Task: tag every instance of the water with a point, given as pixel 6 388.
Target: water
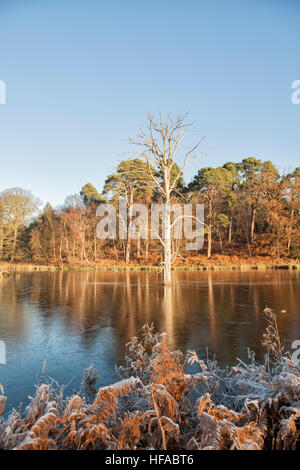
pixel 73 319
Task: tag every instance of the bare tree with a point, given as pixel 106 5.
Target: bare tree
pixel 159 143
pixel 17 208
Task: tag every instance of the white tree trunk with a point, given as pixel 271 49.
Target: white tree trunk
pixel 167 247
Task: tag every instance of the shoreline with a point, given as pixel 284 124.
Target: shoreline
pixel 150 268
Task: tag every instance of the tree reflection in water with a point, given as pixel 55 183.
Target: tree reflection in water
pixel 71 319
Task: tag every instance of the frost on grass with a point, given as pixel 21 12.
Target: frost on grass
pixel 157 405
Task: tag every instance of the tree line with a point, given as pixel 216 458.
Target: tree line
pixel 249 208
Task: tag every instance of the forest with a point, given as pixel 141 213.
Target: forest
pixel 250 210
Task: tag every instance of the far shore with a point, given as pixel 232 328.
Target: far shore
pixel 210 265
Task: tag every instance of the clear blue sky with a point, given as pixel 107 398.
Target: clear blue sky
pixel 81 75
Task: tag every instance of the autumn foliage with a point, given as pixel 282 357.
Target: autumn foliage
pixel 251 212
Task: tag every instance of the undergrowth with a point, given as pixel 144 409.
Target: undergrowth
pixel 158 405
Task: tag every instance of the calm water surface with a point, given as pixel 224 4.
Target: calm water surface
pixel 74 319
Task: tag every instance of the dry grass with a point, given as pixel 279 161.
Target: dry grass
pixel 22 267
pixel 232 261
pixel 157 405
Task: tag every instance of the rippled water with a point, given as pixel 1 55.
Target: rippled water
pixel 73 319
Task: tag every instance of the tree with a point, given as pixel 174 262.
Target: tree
pixel 291 192
pixel 75 213
pixel 180 186
pixel 211 182
pixel 90 195
pixel 131 180
pixel 231 199
pixel 42 235
pixel 259 182
pixel 49 217
pixel 251 170
pixel 159 144
pixel 92 198
pixel 1 227
pixel 17 208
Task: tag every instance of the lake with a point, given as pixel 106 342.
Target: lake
pixel 73 319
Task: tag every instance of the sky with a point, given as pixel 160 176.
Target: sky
pixel 81 76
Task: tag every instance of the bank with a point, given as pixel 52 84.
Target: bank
pixel 19 267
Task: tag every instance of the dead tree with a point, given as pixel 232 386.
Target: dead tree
pixel 159 143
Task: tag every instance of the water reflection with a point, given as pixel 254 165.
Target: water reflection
pixel 73 319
